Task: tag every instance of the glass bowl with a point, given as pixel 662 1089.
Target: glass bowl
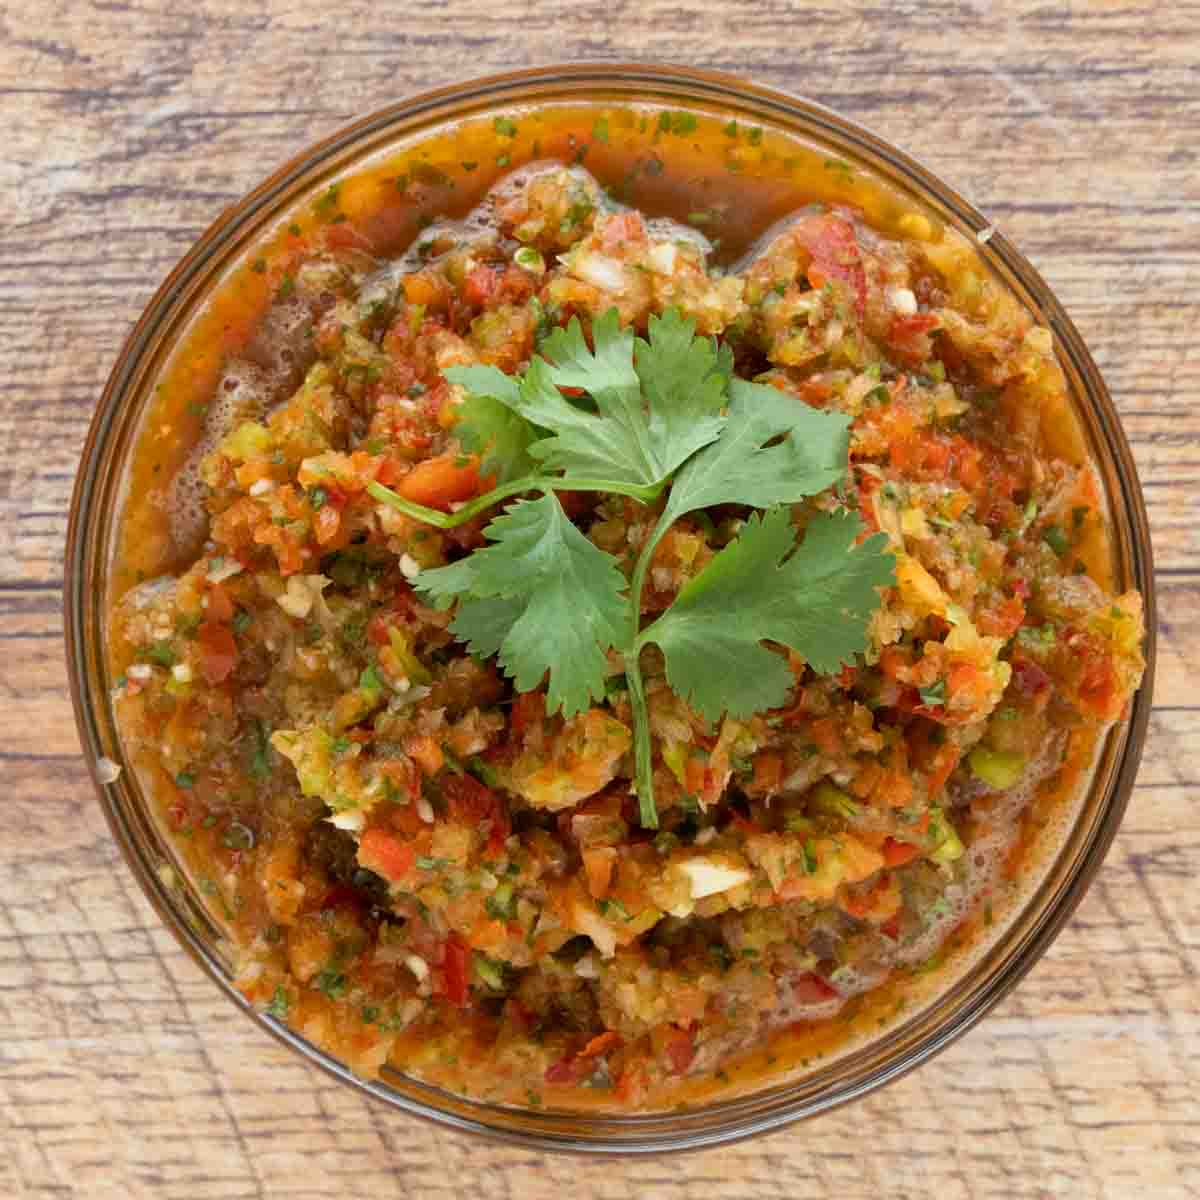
pixel 965 991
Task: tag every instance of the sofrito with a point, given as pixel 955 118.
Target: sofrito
pixel 599 659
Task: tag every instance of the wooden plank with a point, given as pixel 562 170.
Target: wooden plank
pixel 129 125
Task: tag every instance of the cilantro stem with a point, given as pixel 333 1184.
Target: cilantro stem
pixel 647 806
pixel 432 516
pixel 644 493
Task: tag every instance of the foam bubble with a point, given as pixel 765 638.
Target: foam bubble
pixel 241 395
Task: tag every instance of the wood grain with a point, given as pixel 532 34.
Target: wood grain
pixel 127 127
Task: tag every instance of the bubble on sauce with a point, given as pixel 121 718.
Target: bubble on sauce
pixel 984 860
pixel 241 395
pixel 271 369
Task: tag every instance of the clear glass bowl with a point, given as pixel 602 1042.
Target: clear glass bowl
pixel 962 997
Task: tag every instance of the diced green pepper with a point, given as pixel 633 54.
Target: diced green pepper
pixel 832 801
pixel 999 769
pixel 412 666
pixel 674 754
pixel 947 845
pixel 490 972
pixel 249 440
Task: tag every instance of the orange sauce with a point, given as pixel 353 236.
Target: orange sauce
pixel 733 182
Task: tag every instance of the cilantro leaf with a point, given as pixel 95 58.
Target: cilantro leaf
pixel 774 449
pixel 484 623
pixel 815 598
pixel 684 378
pixel 490 424
pixel 543 597
pixel 647 421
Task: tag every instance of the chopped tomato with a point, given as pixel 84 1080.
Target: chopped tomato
pixel 835 254
pixel 1004 619
pixel 904 328
pixel 598 863
pixel 1098 687
pixel 768 772
pixel 468 800
pixel 897 854
pixel 386 854
pixel 528 709
pixel 220 606
pixel 326 524
pixel 478 287
pixel 825 734
pixel 568 1069
pixel 680 1049
pixel 602 1043
pixel 422 288
pixel 622 228
pixel 440 482
pixel 218 652
pixel 427 753
pixel 1028 678
pixel 403 775
pixel 455 963
pixel 810 988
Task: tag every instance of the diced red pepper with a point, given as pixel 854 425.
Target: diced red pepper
pixel 455 964
pixel 1028 678
pixel 810 988
pixel 569 1069
pixel 386 854
pixel 467 800
pixel 479 286
pixel 440 482
pixel 528 709
pixel 218 652
pixel 220 606
pixel 622 228
pixel 1098 687
pixel 680 1049
pixel 602 1043
pixel 897 854
pixel 905 328
pixel 768 771
pixel 835 254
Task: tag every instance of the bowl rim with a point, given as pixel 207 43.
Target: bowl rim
pixel 768 1108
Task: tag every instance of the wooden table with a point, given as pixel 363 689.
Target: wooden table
pixel 126 128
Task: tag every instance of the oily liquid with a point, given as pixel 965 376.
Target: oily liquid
pixel 730 182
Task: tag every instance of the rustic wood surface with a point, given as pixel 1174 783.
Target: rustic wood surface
pixel 126 126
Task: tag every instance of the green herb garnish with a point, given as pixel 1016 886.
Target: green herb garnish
pixel 657 411
pixel 1056 538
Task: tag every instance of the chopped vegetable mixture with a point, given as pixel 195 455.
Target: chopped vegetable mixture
pixel 599 659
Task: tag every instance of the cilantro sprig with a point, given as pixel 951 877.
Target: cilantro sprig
pixel 633 416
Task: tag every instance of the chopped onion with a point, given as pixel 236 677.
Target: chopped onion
pixel 902 300
pixel 601 271
pixel 592 925
pixel 220 569
pixel 662 258
pixel 708 877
